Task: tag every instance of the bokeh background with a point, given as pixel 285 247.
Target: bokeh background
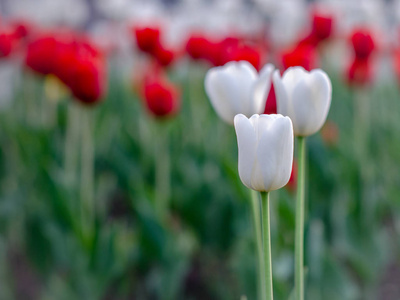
pixel 119 181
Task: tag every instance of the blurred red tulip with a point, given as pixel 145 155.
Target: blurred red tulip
pixel 87 81
pixel 397 64
pixel 65 57
pixel 147 38
pixel 247 53
pixel 161 97
pixel 363 43
pixel 321 29
pixel 218 52
pixel 7 43
pixel 73 59
pixel 40 54
pixel 359 72
pixel 310 40
pixel 270 105
pixel 302 55
pixel 21 29
pixel 69 52
pixel 197 46
pixel 322 26
pixel 163 56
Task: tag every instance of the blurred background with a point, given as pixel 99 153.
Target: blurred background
pixel 119 181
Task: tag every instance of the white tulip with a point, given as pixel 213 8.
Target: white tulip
pixel 305 97
pixel 265 151
pixel 236 88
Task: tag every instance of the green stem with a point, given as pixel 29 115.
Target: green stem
pixel 87 173
pixel 255 205
pixel 267 246
pixel 71 144
pixel 361 141
pixel 162 171
pixel 299 242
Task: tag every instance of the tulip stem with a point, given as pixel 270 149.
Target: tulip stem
pixel 87 173
pixel 71 144
pixel 267 245
pixel 163 180
pixel 299 242
pixel 255 205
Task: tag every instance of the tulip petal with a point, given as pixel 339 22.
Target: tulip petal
pixel 322 90
pixel 219 89
pixel 292 76
pixel 245 75
pixel 261 89
pixel 311 103
pixel 246 138
pixel 229 89
pixel 284 146
pixel 275 151
pixel 282 97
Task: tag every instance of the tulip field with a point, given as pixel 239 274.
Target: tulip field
pixel 206 150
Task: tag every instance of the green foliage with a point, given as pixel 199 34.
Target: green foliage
pixel 204 247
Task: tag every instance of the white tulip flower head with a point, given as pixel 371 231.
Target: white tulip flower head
pixel 303 96
pixel 237 88
pixel 265 151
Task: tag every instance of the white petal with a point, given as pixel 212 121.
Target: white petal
pixel 285 147
pixel 229 89
pixel 292 76
pixel 282 98
pixel 275 151
pixel 246 138
pixel 244 78
pixel 322 93
pixel 220 90
pixel 311 103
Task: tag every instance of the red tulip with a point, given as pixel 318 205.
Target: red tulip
pixel 322 26
pixel 163 56
pixel 7 43
pixel 161 97
pixel 303 55
pixel 363 43
pixel 359 72
pixel 397 64
pixel 220 52
pixel 40 54
pixel 270 105
pixel 216 52
pixel 310 40
pixel 65 57
pixel 197 46
pixel 73 59
pixel 147 38
pixel 21 29
pixel 247 53
pixel 87 81
pixel 321 29
pixel 81 66
pixel 69 52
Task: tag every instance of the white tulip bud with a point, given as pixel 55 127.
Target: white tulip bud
pixel 305 97
pixel 265 151
pixel 237 88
